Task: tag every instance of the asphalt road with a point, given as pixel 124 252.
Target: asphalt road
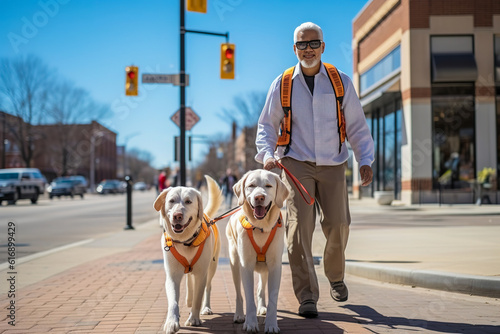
pixel 58 222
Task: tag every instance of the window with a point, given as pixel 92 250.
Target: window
pixel 453 112
pixel 382 70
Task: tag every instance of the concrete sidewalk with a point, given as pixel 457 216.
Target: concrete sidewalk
pixel 115 284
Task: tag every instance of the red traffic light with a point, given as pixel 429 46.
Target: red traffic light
pixel 131 74
pixel 229 53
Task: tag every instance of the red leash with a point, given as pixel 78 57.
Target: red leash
pixel 297 183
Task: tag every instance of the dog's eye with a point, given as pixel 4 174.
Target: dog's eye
pixel 188 201
pixel 251 186
pixel 172 200
pixel 268 186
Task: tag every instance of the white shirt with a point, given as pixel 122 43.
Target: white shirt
pixel 315 136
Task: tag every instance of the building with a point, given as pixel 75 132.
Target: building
pixel 61 149
pixel 428 76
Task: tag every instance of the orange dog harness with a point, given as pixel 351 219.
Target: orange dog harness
pixel 261 253
pixel 199 242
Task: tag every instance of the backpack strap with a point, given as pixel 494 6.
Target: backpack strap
pixel 285 132
pixel 338 87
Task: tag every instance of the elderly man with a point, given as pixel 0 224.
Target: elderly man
pixel 315 152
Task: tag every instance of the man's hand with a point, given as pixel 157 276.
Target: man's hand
pixel 270 164
pixel 366 175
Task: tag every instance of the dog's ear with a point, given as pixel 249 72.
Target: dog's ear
pixel 160 200
pixel 239 189
pixel 200 205
pixel 282 191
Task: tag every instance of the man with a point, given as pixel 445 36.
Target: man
pixel 227 182
pixel 317 157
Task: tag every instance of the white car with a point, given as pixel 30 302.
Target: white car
pixel 142 186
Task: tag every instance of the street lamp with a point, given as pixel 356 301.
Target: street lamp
pixel 95 135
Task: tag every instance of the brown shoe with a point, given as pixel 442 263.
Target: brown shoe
pixel 338 291
pixel 308 309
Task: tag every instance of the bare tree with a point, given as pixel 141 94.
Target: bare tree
pixel 68 107
pixel 24 89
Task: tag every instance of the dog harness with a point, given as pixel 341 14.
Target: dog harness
pixel 285 131
pixel 199 241
pixel 261 253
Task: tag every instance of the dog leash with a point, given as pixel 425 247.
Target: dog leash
pixel 224 215
pixel 297 183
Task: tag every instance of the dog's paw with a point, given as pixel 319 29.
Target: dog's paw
pixel 262 310
pixel 239 318
pixel 272 329
pixel 271 326
pixel 192 321
pixel 207 311
pixel 171 326
pixel 251 326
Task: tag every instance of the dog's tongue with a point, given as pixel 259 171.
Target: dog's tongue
pixel 259 212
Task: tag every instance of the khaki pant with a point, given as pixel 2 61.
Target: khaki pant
pixel 327 184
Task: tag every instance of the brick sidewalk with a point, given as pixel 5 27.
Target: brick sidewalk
pixel 125 293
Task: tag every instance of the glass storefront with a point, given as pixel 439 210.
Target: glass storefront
pixel 453 118
pixel 385 123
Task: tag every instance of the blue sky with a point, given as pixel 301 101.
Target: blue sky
pixel 91 42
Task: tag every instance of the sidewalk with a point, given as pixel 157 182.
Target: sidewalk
pixel 115 284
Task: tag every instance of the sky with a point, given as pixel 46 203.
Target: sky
pixel 90 42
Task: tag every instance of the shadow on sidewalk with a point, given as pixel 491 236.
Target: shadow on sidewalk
pixel 369 316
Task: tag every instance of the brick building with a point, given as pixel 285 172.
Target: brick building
pixel 428 76
pixel 62 149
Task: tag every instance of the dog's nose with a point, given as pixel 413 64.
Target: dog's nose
pixel 259 198
pixel 178 216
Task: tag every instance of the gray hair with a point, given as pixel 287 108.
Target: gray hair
pixel 307 26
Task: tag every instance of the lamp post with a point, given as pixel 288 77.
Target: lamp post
pixel 92 159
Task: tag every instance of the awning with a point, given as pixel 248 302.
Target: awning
pixel 388 88
pixel 453 67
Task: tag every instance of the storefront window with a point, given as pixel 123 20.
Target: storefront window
pixel 453 135
pixel 498 137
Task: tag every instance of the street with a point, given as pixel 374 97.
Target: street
pixel 58 222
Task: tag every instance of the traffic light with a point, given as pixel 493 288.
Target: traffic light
pixel 199 6
pixel 227 61
pixel 131 80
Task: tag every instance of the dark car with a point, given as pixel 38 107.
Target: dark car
pixel 66 186
pixel 111 187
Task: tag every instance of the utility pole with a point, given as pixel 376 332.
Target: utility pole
pixel 182 139
pixel 183 96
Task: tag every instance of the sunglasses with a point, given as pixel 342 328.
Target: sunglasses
pixel 313 44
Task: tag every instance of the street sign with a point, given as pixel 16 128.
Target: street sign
pixel 174 79
pixel 191 118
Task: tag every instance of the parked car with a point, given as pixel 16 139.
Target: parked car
pixel 81 179
pixel 21 183
pixel 111 187
pixel 66 186
pixel 142 186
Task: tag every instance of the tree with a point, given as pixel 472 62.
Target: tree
pixel 69 106
pixel 24 90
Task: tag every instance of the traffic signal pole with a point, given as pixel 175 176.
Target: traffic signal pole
pixel 182 136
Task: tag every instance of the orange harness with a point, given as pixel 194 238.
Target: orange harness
pixel 261 253
pixel 199 242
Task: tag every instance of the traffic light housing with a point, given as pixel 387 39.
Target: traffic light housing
pixel 131 80
pixel 227 61
pixel 199 6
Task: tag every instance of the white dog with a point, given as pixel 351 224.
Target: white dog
pixel 261 195
pixel 189 246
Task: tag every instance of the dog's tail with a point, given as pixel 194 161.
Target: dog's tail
pixel 215 197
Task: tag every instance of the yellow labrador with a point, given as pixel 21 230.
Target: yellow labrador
pixel 261 195
pixel 189 246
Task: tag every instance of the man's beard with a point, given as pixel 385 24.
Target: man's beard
pixel 309 63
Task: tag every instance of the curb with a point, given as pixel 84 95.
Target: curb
pixel 467 284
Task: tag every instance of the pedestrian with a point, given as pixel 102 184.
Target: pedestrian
pixel 163 181
pixel 227 182
pixel 317 156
